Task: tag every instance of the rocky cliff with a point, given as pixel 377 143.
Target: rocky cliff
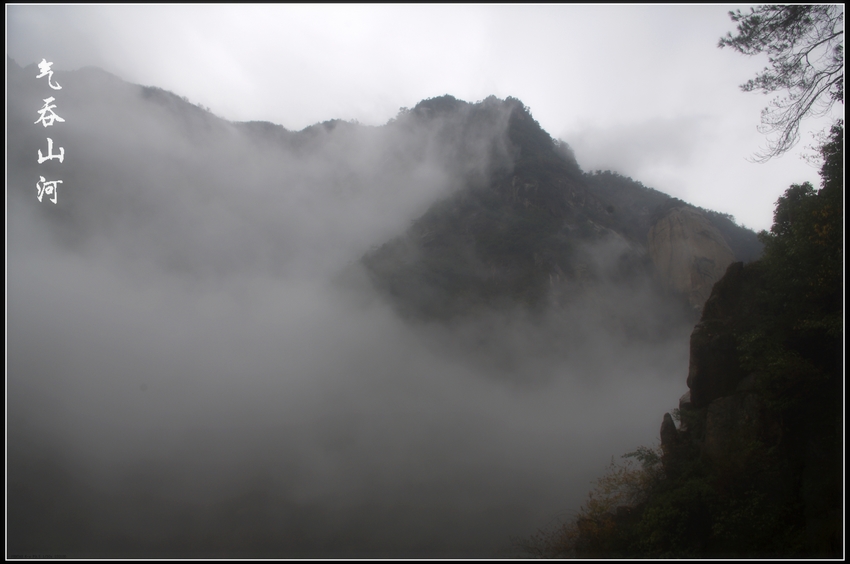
pixel 754 468
pixel 765 438
pixel 689 253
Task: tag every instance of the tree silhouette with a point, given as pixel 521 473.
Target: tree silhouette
pixel 805 46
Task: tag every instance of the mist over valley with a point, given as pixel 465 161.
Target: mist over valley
pixel 421 339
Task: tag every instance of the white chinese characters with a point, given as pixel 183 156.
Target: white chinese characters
pixel 47 118
pixel 50 155
pixel 44 67
pixel 45 187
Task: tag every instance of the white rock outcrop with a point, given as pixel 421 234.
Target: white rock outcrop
pixel 689 253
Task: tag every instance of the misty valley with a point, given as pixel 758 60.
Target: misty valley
pixel 424 339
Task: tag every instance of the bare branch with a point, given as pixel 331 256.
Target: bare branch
pixel 805 44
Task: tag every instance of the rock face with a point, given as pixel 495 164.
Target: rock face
pixel 736 428
pixel 689 253
pixel 715 368
pixel 716 378
pixel 670 444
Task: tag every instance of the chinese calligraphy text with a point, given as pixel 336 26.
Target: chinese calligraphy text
pixel 47 117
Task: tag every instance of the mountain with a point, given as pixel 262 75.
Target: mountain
pixel 201 355
pixel 515 221
pixel 536 230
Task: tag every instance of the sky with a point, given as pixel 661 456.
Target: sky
pixel 195 363
pixel 641 90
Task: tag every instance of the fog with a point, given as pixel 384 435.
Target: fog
pixel 197 365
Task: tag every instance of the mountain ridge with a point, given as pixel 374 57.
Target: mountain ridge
pixel 526 221
pixel 509 221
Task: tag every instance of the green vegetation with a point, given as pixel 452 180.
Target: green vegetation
pixel 755 472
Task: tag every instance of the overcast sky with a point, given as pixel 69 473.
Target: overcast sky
pixel 642 90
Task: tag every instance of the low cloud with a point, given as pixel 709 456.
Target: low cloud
pixel 636 149
pixel 187 374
